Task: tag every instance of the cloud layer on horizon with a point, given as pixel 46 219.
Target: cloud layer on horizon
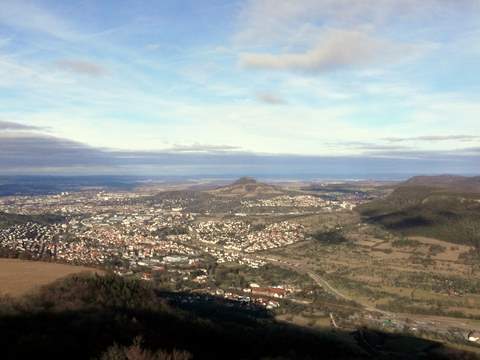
pixel 10 125
pixel 465 138
pixel 30 151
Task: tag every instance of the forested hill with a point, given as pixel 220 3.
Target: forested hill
pixel 460 184
pixel 443 209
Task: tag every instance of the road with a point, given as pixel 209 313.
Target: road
pixel 429 322
pixel 325 285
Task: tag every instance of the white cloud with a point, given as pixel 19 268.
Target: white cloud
pixel 462 138
pixel 321 35
pixel 270 98
pixel 266 21
pixel 153 47
pixel 335 49
pixel 82 67
pixel 202 148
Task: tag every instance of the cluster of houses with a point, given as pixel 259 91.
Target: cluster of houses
pixel 304 202
pixel 274 236
pixel 223 255
pixel 227 233
pixel 33 238
pixel 254 294
pixel 238 235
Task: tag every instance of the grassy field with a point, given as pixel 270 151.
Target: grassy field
pixel 18 277
pixel 379 268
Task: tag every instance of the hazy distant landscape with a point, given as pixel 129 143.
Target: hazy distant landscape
pixel 337 259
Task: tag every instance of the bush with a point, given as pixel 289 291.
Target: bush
pixel 137 352
pixel 331 237
pixel 87 291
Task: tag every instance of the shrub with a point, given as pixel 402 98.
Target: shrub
pixel 137 352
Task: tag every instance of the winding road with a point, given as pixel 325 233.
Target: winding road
pixel 433 323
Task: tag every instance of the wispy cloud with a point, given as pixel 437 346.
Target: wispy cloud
pixel 287 22
pixel 434 138
pixel 270 98
pixel 336 49
pixel 368 146
pixel 196 148
pixel 82 67
pixel 153 46
pixel 9 125
pixel 26 15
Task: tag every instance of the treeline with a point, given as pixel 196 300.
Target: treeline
pixel 7 253
pixel 330 237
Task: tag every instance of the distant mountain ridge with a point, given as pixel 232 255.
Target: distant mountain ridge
pixel 450 182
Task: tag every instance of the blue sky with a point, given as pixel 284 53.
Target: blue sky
pixel 388 79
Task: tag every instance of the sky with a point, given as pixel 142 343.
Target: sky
pixel 216 87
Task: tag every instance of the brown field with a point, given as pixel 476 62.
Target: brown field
pixel 18 277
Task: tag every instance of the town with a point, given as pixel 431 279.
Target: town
pixel 137 235
pixel 248 243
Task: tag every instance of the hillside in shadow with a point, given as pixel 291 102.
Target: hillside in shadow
pixel 108 317
pixel 428 211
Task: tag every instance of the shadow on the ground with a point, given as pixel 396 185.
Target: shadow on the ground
pixel 82 316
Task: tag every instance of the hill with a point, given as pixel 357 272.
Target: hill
pixel 247 187
pixel 450 182
pixel 444 207
pixel 99 317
